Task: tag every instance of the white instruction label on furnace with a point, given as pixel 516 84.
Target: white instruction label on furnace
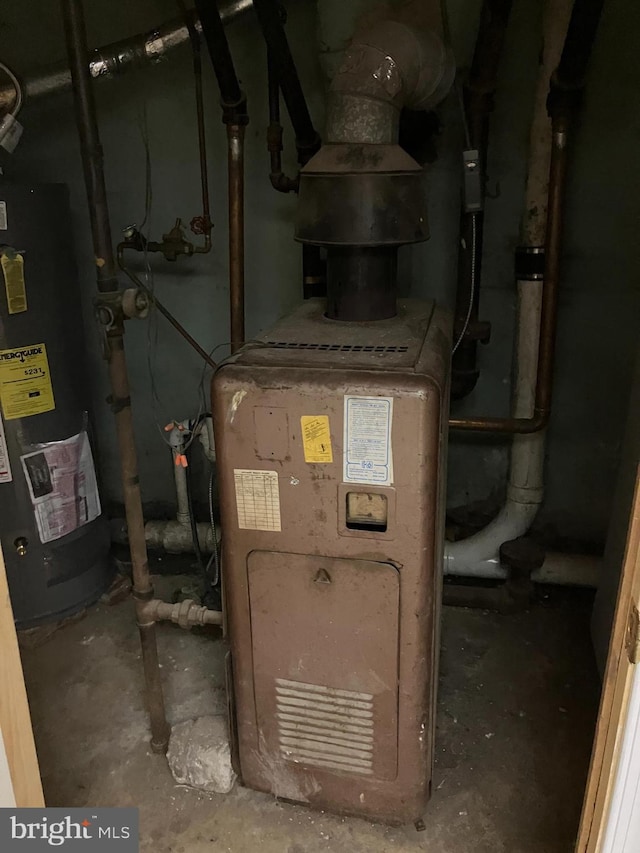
pixel 3 216
pixel 62 484
pixel 5 464
pixel 257 499
pixel 367 440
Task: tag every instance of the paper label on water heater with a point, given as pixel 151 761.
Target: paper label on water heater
pixel 257 499
pixel 316 438
pixel 367 440
pixel 13 273
pixel 25 382
pixel 62 484
pixel 5 464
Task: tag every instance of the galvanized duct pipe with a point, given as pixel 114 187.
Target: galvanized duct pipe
pixel 361 195
pixel 114 59
pixel 388 67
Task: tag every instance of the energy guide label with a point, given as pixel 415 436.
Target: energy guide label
pixel 25 382
pixel 367 440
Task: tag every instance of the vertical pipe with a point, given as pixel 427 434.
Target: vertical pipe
pixel 553 257
pixel 90 147
pixel 527 451
pixel 183 511
pixel 234 115
pixel 213 31
pixel 478 555
pixel 76 37
pixel 479 91
pixel 206 224
pixel 235 138
pixel 307 139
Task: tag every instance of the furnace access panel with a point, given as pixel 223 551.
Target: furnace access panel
pixel 330 439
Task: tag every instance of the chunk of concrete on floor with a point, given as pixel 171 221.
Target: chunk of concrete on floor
pixel 199 755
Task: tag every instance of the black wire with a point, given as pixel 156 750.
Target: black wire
pixel 192 518
pixel 215 556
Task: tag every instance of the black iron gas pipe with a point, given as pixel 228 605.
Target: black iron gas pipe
pixel 479 91
pixel 307 139
pixel 76 37
pixel 235 117
pixel 231 94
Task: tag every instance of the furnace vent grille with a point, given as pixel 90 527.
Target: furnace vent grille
pixel 335 347
pixel 325 727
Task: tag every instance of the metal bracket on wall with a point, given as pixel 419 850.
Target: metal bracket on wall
pixel 632 642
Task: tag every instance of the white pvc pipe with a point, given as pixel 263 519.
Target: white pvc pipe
pixel 478 556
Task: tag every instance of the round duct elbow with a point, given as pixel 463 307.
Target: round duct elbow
pixel 387 67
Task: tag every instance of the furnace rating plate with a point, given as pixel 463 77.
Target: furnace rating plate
pixel 367 440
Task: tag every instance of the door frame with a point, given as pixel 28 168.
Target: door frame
pixel 18 749
pixel 616 692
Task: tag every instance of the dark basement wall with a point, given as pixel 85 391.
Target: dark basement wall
pixel 600 297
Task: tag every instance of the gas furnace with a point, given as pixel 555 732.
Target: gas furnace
pixel 330 442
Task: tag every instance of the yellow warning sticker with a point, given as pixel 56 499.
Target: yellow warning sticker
pixel 316 438
pixel 25 382
pixel 13 272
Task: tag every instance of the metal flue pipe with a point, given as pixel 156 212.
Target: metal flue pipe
pixel 76 37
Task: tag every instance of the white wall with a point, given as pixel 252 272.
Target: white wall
pixel 622 833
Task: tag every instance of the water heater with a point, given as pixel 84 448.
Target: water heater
pixel 331 439
pixel 55 537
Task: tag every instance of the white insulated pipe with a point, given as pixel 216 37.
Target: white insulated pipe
pixel 478 555
pixel 167 535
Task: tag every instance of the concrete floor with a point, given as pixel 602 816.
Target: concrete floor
pixel 518 700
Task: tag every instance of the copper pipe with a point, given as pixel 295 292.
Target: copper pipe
pixel 549 314
pixel 76 38
pixel 162 309
pixel 235 139
pixel 200 224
